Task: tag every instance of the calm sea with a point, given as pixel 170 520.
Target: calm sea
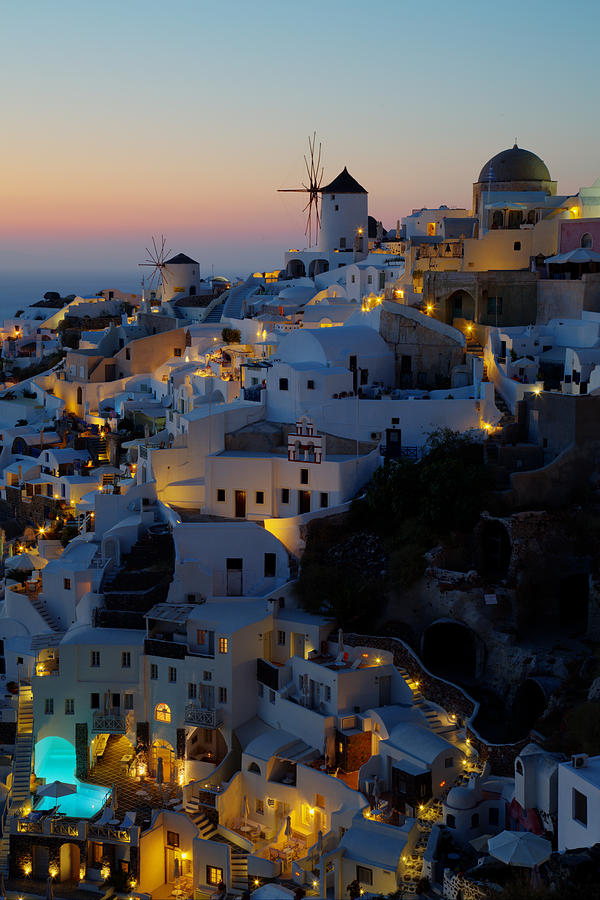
pixel 19 289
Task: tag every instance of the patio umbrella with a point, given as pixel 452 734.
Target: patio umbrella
pixel 520 848
pixel 49 890
pixel 246 809
pixel 288 827
pixel 159 771
pixel 57 789
pixel 340 641
pixel 176 871
pixel 376 790
pixel 25 562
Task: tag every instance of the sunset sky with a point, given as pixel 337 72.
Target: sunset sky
pixel 124 119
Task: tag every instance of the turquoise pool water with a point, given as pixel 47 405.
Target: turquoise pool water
pixel 55 761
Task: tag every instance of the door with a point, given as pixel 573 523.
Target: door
pixel 235 572
pixel 240 504
pixel 298 645
pixel 385 690
pixel 303 502
pixel 41 859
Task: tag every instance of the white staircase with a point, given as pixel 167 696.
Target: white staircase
pixel 239 870
pixel 21 768
pixel 41 608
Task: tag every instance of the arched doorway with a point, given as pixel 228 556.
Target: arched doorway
pixel 162 750
pixel 295 268
pixel 317 266
pixel 449 649
pixel 70 858
pixel 460 305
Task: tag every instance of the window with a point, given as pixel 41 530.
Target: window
pixel 259 807
pixel 223 645
pixel 281 638
pixel 364 875
pixel 127 353
pixel 364 376
pixel 353 279
pixel 449 762
pixel 116 701
pixel 431 229
pixel 207 676
pixel 336 207
pixel 342 243
pixel 283 384
pixel 320 801
pixel 517 245
pixel 327 693
pixel 162 712
pixel 494 306
pixel 128 701
pixel 493 815
pixel 303 476
pixel 190 598
pixel 126 659
pixel 94 701
pixel 580 807
pixel 214 875
pixel 153 671
pixel 324 500
pixel 450 820
pixel 270 565
pixel 519 767
pixel 222 695
pixel 310 385
pixel 172 674
pixel 69 707
pixel 192 692
pixel 173 838
pixel 201 637
pixel 79 396
pixel 254 767
pixel 587 241
pixel 177 351
pixel 97 853
pixel 67 584
pixel 260 497
pixel 475 820
pixel 285 495
pixel 95 659
pixel 220 495
pixel 49 706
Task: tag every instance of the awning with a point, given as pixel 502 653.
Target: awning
pixel 578 256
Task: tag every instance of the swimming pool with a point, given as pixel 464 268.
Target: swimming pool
pixel 55 761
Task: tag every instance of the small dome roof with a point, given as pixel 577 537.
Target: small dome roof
pixel 461 798
pixel 515 164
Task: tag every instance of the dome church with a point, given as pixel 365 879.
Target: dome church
pixel 513 170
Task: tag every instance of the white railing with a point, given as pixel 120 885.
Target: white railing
pixel 205 718
pixel 108 723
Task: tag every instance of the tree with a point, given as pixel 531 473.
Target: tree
pixel 51 295
pixel 231 335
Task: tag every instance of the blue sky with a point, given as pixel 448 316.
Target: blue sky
pixel 127 119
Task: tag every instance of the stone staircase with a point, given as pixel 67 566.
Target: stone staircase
pixel 208 832
pixel 21 768
pixel 507 417
pixel 41 608
pixel 429 710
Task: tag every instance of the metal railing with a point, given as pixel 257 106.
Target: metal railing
pixel 108 723
pixel 205 718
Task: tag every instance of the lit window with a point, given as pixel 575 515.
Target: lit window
pixel 126 659
pixel 223 645
pixel 201 637
pixel 162 712
pixel 214 875
pixel 431 229
pixel 69 707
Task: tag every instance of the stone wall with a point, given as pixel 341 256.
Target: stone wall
pixel 518 290
pixel 459 887
pixel 432 353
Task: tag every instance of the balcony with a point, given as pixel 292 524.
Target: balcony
pixel 204 718
pixel 109 723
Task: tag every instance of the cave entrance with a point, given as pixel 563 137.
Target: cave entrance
pixel 573 600
pixel 528 705
pixel 495 549
pixel 450 650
